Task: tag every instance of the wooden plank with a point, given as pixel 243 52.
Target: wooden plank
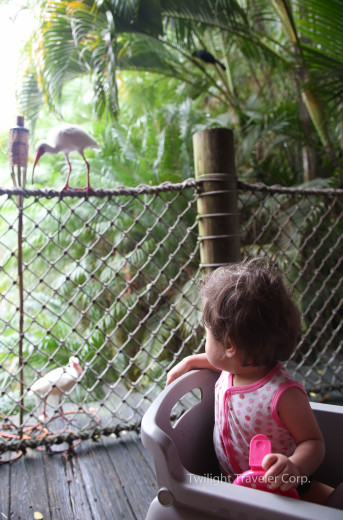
pixel 137 477
pixel 78 495
pixel 67 496
pixel 28 488
pixel 109 480
pixel 146 454
pixel 105 494
pixel 5 470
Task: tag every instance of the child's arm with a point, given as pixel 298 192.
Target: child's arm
pixel 295 413
pixel 189 363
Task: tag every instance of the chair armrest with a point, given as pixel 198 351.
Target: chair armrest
pixel 176 448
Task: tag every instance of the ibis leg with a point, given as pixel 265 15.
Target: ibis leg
pixel 44 408
pixel 66 186
pixel 87 187
pixel 61 409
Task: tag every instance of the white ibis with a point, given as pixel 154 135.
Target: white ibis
pixel 66 138
pixel 58 381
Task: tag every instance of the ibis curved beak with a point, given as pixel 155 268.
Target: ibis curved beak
pixel 38 156
pixel 78 367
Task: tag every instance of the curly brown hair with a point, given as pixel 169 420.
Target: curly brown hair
pixel 248 304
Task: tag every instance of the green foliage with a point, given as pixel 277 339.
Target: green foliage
pixel 125 72
pixel 279 91
pixel 322 46
pixel 302 233
pixel 104 280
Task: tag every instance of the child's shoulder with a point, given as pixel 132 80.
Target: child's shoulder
pixel 283 373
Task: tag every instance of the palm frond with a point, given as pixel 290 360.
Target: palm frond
pixel 321 35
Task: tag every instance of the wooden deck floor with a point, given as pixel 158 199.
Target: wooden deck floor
pixel 111 479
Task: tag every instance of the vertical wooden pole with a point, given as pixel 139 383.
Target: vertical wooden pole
pixel 21 311
pixel 218 216
pixel 18 156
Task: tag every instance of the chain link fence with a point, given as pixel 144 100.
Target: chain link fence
pixel 302 231
pixel 110 279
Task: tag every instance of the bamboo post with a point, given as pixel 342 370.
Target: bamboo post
pixel 18 146
pixel 217 198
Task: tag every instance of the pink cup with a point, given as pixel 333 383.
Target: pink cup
pixel 260 446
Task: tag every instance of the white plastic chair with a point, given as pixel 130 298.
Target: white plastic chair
pixel 183 453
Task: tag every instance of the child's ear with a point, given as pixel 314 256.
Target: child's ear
pixel 230 350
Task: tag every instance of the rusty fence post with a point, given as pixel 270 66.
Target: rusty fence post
pixel 217 205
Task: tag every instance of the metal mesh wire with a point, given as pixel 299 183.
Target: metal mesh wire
pixel 111 279
pixel 302 231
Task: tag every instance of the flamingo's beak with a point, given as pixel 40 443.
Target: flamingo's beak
pixel 38 156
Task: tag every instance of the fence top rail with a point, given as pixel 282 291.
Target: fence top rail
pixel 113 192
pixel 164 187
pixel 260 186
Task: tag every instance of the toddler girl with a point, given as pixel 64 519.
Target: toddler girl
pixel 252 324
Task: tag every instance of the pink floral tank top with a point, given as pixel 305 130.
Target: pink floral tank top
pixel 241 412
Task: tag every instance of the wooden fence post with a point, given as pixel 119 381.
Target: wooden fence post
pixel 218 215
pixel 18 148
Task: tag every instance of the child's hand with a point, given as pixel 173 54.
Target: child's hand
pixel 177 371
pixel 281 472
pixel 191 362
